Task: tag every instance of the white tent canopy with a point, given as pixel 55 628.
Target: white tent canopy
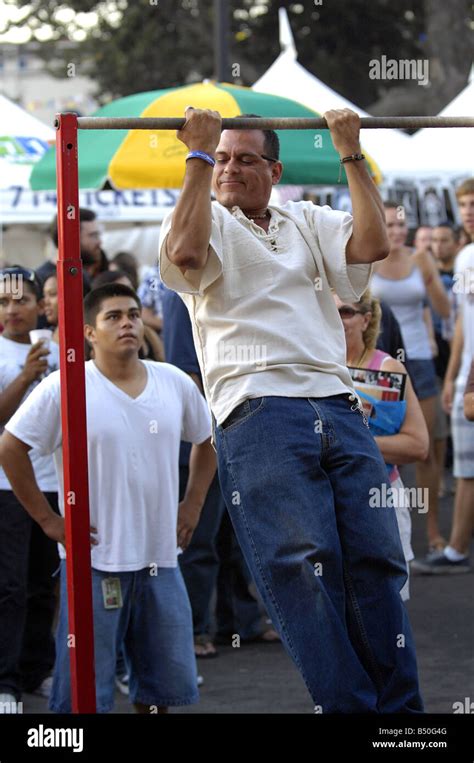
pixel 286 77
pixel 23 140
pixel 17 121
pixel 448 150
pixel 420 170
pixel 24 213
pixel 431 153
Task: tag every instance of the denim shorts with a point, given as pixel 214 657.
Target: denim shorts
pixel 462 432
pixel 423 377
pixel 154 626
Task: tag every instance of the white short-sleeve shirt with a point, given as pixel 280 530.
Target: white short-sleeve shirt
pixel 12 360
pixel 263 315
pixel 464 288
pixel 133 454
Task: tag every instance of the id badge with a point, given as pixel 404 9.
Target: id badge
pixel 112 593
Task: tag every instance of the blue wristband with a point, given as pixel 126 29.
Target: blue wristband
pixel 201 155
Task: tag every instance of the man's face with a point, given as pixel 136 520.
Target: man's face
pixel 423 238
pixel 397 230
pixel 90 242
pixel 50 292
pixel 18 312
pixel 443 244
pixel 241 177
pixel 466 210
pixel 118 328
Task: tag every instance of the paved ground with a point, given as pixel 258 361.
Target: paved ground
pixel 262 679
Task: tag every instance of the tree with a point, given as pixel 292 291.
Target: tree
pixel 446 44
pixel 139 45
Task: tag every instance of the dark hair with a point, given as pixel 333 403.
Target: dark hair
pixel 86 283
pixel 450 227
pixel 95 298
pixel 391 205
pixel 272 141
pixel 85 216
pixel 28 276
pixel 127 263
pixel 460 231
pixel 104 262
pixel 108 276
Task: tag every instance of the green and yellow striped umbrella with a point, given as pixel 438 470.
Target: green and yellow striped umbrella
pixel 156 159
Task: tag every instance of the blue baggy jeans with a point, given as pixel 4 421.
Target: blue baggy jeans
pixel 298 476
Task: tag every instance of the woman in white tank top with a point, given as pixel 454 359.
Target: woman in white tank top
pixel 405 280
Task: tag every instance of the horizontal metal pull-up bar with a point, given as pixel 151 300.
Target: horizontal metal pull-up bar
pixel 267 123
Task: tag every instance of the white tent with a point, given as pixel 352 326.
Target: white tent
pixel 448 151
pixel 286 77
pixel 420 171
pixel 23 141
pixel 24 213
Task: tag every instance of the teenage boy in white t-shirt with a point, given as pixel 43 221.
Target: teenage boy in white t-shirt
pixel 28 558
pixel 137 413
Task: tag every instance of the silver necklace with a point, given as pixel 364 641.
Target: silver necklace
pixel 256 217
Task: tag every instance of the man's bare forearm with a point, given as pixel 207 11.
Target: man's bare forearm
pixel 16 463
pixel 456 351
pixel 202 468
pixel 369 241
pixel 187 243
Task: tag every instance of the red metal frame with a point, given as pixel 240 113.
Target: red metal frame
pixel 73 417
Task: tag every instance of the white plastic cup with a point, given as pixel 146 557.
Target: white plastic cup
pixel 44 335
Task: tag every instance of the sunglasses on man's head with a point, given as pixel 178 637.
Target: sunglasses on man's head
pixel 346 311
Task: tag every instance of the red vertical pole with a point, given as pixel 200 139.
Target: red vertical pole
pixel 73 418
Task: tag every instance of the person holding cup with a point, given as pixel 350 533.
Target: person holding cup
pixel 28 558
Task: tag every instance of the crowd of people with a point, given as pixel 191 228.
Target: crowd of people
pixel 213 561
pixel 174 574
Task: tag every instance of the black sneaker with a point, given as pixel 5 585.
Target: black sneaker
pixel 438 563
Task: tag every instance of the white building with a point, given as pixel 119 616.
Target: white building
pixel 24 79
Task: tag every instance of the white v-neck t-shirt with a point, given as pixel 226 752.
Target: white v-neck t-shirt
pixel 263 315
pixel 133 453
